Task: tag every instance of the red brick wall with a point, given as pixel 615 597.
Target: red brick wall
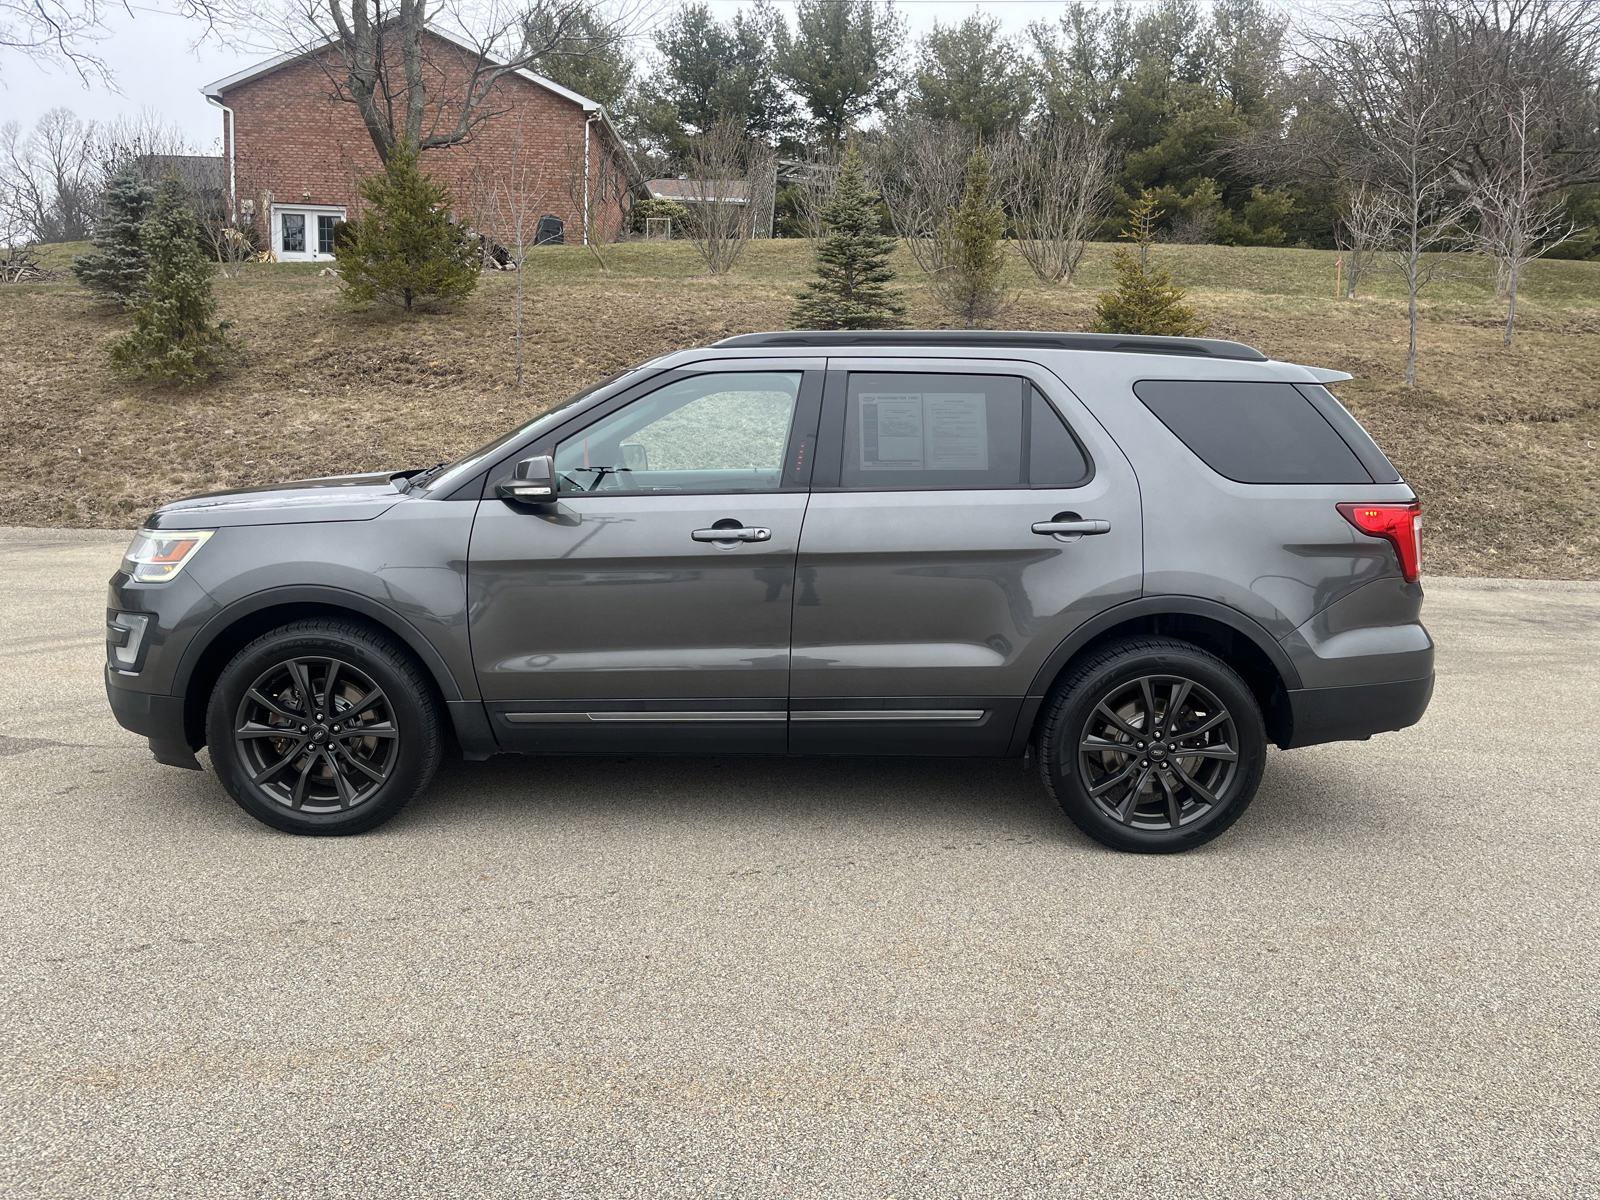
pixel 298 144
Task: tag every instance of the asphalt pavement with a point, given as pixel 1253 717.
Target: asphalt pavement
pixel 713 977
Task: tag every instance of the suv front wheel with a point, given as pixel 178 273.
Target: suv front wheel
pixel 323 726
pixel 1152 745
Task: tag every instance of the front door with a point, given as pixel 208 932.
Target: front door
pixel 964 519
pixel 648 608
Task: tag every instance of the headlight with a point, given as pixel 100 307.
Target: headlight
pixel 156 555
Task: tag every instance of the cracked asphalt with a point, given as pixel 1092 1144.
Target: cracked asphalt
pixel 874 978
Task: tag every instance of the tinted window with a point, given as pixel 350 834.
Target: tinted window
pixel 922 431
pixel 1054 457
pixel 1253 432
pixel 708 433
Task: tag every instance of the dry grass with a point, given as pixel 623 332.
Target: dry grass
pixel 1501 444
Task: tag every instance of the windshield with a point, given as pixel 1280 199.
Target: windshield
pixel 459 471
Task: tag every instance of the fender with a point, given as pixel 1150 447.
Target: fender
pixel 335 598
pixel 1145 606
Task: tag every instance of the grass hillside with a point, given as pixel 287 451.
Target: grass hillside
pixel 1504 446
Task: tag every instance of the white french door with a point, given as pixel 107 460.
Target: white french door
pixel 304 232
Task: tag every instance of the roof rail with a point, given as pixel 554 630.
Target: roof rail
pixel 1117 343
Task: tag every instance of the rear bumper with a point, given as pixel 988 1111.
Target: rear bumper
pixel 1343 714
pixel 158 718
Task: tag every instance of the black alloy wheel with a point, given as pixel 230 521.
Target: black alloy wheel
pixel 1159 751
pixel 324 726
pixel 316 734
pixel 1152 744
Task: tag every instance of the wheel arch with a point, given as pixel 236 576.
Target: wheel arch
pixel 1228 633
pixel 229 630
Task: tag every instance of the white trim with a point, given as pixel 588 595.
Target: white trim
pixel 311 211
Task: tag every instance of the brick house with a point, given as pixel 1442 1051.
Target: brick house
pixel 295 154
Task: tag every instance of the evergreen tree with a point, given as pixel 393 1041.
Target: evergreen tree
pixel 842 61
pixel 406 250
pixel 970 75
pixel 968 282
pixel 588 51
pixel 115 269
pixel 1145 300
pixel 853 271
pixel 175 335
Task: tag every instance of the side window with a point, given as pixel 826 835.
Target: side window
pixel 710 433
pixel 1054 457
pixel 932 431
pixel 905 431
pixel 1253 432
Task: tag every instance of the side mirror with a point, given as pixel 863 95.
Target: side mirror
pixel 532 482
pixel 635 457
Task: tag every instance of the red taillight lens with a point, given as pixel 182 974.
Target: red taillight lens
pixel 1399 524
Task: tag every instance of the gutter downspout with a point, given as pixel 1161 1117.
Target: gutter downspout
pixel 233 150
pixel 587 122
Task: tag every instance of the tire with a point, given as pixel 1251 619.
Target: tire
pixel 341 769
pixel 1119 696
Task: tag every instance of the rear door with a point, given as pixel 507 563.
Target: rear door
pixel 648 608
pixel 965 518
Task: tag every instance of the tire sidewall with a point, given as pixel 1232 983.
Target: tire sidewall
pixel 1078 705
pixel 411 718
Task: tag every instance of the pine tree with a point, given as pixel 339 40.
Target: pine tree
pixel 115 269
pixel 853 271
pixel 968 283
pixel 406 250
pixel 1145 300
pixel 175 335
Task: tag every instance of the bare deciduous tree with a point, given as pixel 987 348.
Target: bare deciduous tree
pixel 597 190
pixel 918 167
pixel 727 173
pixel 1055 181
pixel 51 178
pixel 1519 218
pixel 65 33
pixel 416 92
pixel 1365 227
pixel 814 187
pixel 1381 79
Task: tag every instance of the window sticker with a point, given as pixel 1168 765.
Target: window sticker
pixel 913 431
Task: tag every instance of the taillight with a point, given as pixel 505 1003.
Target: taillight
pixel 1399 524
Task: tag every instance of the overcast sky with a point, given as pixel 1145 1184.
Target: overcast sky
pixel 158 67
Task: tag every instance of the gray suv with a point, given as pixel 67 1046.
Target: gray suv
pixel 1139 559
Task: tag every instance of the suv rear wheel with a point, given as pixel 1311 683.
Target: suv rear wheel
pixel 323 727
pixel 1152 745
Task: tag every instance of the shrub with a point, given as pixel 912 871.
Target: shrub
pixel 115 269
pixel 853 271
pixel 405 250
pixel 644 210
pixel 175 336
pixel 1145 300
pixel 968 282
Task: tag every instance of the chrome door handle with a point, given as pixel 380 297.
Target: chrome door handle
pixel 733 533
pixel 1071 526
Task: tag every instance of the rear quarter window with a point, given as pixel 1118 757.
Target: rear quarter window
pixel 1253 432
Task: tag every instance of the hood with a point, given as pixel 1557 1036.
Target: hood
pixel 337 498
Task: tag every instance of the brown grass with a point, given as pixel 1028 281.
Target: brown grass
pixel 1501 444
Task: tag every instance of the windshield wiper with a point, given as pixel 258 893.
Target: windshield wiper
pixel 418 478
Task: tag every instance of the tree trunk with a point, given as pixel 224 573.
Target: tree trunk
pixel 1354 275
pixel 1411 313
pixel 1511 300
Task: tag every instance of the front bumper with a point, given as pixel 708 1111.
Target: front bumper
pixel 1355 713
pixel 158 718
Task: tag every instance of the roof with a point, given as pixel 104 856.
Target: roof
pixel 202 171
pixel 213 91
pixel 266 67
pixel 700 191
pixel 994 338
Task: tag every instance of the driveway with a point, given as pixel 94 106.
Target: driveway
pixel 714 977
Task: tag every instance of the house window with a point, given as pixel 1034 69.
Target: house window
pixel 294 232
pixel 325 226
